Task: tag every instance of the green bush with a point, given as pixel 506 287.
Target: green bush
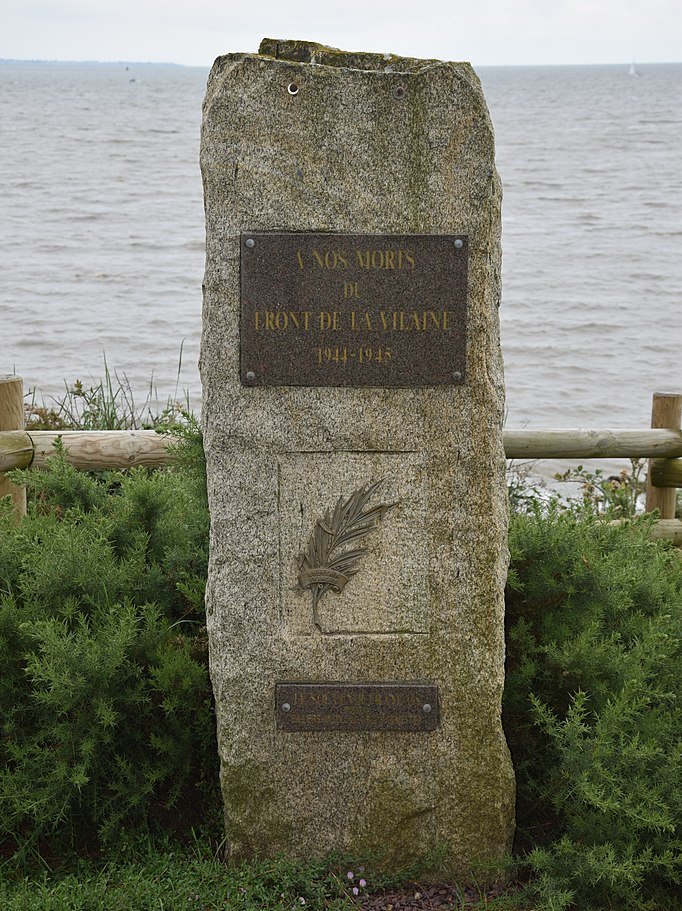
pixel 105 702
pixel 592 710
pixel 106 712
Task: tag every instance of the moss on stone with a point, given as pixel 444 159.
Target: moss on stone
pixel 396 819
pixel 312 52
pixel 254 822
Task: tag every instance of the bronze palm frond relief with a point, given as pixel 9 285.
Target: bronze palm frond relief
pixel 326 564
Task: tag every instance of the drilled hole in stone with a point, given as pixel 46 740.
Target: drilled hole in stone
pixel 399 91
pixel 293 88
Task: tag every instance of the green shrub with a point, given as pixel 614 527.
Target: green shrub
pixel 592 710
pixel 105 701
pixel 105 704
pixel 615 496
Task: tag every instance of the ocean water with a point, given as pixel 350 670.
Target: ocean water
pixel 101 235
pixel 592 241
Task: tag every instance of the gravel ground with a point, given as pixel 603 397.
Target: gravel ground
pixel 432 898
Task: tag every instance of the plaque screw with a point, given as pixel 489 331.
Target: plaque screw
pixel 459 244
pixel 426 708
pixel 286 707
pixel 399 91
pixel 292 88
pixel 250 376
pixel 457 376
pixel 250 242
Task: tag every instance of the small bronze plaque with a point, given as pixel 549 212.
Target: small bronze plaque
pixel 353 309
pixel 356 706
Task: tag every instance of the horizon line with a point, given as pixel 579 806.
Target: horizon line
pixel 119 62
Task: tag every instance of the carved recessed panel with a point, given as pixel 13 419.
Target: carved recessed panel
pixel 388 592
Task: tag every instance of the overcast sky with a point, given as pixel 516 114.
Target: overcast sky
pixel 484 32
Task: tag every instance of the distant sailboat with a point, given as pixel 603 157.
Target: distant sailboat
pixel 633 71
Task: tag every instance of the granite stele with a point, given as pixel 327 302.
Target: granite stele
pixel 353 405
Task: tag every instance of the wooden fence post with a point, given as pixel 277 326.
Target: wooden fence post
pixel 12 418
pixel 666 412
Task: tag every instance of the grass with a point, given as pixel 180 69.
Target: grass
pixel 146 877
pixel 108 404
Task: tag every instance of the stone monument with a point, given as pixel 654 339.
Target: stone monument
pixel 352 411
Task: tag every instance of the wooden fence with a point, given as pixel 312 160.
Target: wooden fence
pixel 97 449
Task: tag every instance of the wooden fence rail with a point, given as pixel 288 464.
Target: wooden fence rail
pixel 107 449
pixel 666 411
pixel 86 449
pixel 11 418
pixel 93 449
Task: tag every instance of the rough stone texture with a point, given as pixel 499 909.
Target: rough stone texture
pixel 346 155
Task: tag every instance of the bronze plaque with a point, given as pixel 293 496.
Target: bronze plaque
pixel 356 706
pixel 353 309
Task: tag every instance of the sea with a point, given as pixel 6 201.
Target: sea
pixel 102 233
